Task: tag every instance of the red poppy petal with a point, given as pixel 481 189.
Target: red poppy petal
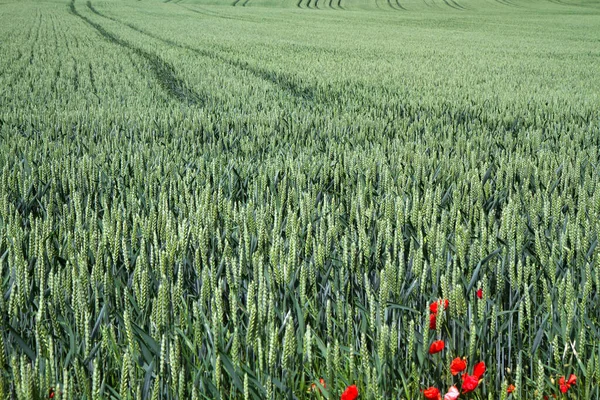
pixel 479 369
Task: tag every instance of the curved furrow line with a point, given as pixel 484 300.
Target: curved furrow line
pixel 508 3
pixel 395 5
pixel 215 15
pixel 75 79
pixel 457 5
pixel 451 5
pixel 163 72
pixel 400 5
pixel 93 81
pixel 564 3
pixel 282 81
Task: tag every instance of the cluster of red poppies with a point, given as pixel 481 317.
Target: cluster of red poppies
pixel 565 385
pixel 469 382
pixel 433 308
pixel 458 365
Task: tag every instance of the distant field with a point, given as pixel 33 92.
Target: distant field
pixel 235 199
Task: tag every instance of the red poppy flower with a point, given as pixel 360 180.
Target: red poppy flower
pixel 480 293
pixel 51 394
pixel 566 385
pixel 458 365
pixel 351 393
pixel 314 387
pixel 432 394
pixel 436 347
pixel 479 369
pixel 564 388
pixel 510 389
pixel 470 383
pixel 433 307
pixel 432 322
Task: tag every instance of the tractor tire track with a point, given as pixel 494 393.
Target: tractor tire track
pixel 397 5
pixel 93 82
pixel 564 3
pixel 508 3
pixel 215 15
pixel 451 5
pixel 400 5
pixel 458 5
pixel 163 72
pixel 75 79
pixel 282 81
